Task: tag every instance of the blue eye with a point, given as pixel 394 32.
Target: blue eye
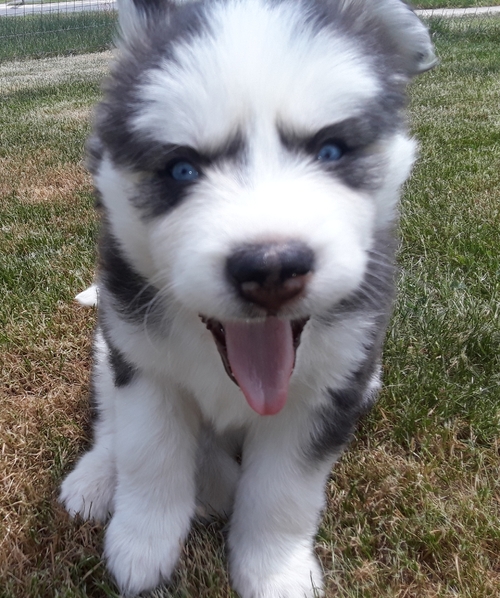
pixel 184 172
pixel 330 152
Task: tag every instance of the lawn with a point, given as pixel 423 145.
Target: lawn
pixel 453 3
pixel 34 36
pixel 414 505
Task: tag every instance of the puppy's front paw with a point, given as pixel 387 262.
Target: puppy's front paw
pixel 89 489
pixel 300 578
pixel 139 556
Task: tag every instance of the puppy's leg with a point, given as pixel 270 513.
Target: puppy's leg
pixel 89 489
pixel 155 451
pixel 277 509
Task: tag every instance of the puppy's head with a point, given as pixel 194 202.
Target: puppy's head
pixel 250 153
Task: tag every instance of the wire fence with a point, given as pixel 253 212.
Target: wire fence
pixel 36 28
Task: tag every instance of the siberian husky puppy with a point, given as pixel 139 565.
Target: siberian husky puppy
pixel 248 157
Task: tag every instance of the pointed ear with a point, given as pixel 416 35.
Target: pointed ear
pixel 407 34
pixel 134 15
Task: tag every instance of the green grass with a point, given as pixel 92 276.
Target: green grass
pixel 453 3
pixel 413 506
pixel 35 36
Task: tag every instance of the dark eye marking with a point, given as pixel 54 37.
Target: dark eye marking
pixel 169 172
pixel 335 142
pixel 331 144
pixel 181 165
pixel 184 164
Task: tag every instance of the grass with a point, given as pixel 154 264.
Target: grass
pixel 453 3
pixel 35 36
pixel 413 506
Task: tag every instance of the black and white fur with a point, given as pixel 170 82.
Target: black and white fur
pixel 249 90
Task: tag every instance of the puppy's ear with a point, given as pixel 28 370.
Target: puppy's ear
pixel 407 35
pixel 134 16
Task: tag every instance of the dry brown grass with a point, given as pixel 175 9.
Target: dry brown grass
pixel 34 181
pixel 43 406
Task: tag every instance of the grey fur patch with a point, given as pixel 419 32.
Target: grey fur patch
pixel 361 165
pixel 150 6
pixel 123 371
pixel 122 101
pixel 388 29
pixel 94 153
pixel 158 192
pixel 134 298
pixel 375 295
pixel 334 425
pixel 93 403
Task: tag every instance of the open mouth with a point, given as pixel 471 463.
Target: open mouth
pixel 259 356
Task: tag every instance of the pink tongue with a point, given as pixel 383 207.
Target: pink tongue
pixel 261 355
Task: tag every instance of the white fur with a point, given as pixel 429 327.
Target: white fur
pixel 119 185
pixel 164 442
pixel 88 297
pixel 256 54
pixel 155 450
pixel 89 489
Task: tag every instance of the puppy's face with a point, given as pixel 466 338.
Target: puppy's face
pixel 249 165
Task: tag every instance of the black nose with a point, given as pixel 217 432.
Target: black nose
pixel 270 274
